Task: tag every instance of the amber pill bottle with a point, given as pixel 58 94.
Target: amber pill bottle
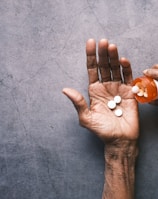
pixel 148 86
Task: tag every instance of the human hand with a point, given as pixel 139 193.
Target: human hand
pixel 153 73
pixel 114 80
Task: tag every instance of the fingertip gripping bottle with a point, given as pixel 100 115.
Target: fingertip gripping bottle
pixel 145 89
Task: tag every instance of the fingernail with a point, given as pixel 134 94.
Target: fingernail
pixel 145 71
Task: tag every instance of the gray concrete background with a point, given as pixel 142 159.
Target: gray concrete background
pixel 44 153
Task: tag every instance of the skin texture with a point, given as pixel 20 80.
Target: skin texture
pixel 119 134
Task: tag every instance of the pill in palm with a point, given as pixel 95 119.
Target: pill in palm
pixel 111 104
pixel 118 112
pixel 117 99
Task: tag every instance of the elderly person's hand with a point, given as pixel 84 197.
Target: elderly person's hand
pixel 114 79
pixel 110 77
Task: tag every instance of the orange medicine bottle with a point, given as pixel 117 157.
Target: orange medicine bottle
pixel 145 89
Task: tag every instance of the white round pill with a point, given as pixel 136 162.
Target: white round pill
pixel 118 112
pixel 117 99
pixel 111 104
pixel 140 93
pixel 135 89
pixel 145 94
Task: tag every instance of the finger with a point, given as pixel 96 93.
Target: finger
pixel 151 72
pixel 77 99
pixel 114 62
pixel 155 66
pixel 126 70
pixel 104 61
pixel 92 61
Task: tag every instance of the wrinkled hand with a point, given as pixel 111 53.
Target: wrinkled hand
pixel 153 73
pixel 114 80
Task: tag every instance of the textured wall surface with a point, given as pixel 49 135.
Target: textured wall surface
pixel 44 153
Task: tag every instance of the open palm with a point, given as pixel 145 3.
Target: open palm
pixel 115 80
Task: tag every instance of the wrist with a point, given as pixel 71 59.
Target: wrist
pixel 119 149
pixel 120 157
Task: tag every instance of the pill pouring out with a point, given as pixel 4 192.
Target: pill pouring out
pixel 140 91
pixel 145 89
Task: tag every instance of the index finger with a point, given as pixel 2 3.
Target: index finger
pixel 92 61
pixel 151 72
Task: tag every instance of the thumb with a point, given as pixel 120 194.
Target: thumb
pixel 77 99
pixel 151 72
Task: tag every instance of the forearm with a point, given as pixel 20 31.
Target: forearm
pixel 120 157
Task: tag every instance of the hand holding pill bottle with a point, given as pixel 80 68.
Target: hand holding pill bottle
pixel 145 89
